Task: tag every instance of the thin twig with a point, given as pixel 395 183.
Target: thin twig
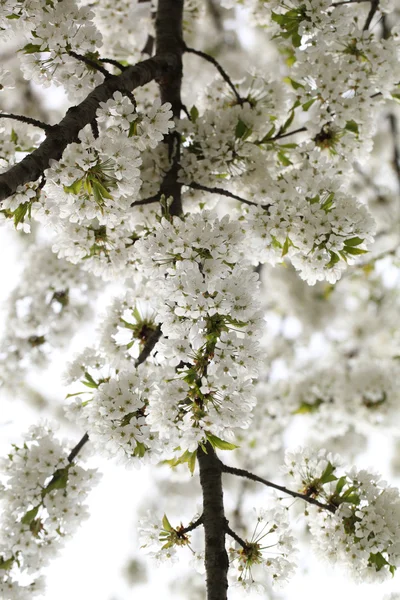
pixel 396 153
pixel 280 136
pixel 253 477
pixel 78 448
pixel 235 536
pixel 90 63
pixel 28 120
pixel 220 69
pixel 113 62
pixel 371 14
pixel 150 200
pixel 222 192
pixel 192 526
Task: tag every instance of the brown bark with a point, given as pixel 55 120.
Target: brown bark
pixel 169 42
pixel 214 523
pixel 57 139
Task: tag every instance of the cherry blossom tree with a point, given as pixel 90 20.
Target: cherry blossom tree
pixel 226 174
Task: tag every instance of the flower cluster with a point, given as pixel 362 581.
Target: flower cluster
pixel 89 194
pixel 45 310
pixel 159 539
pixel 361 527
pixel 42 496
pixel 203 300
pixel 270 553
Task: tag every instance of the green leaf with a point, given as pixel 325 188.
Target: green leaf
pixel 6 564
pixel 140 449
pixel 295 84
pixel 31 48
pixel 90 382
pixel 308 407
pixel 352 126
pixel 377 560
pixel 335 258
pixel 268 135
pixel 242 131
pixel 351 250
pixel 166 524
pixel 284 159
pixel 133 129
pixel 74 188
pixel 14 136
pixel 59 481
pixel 30 515
pixel 192 462
pixel 287 123
pixel 216 442
pixel 341 482
pixel 327 475
pixel 20 213
pixel 355 241
pixel 308 104
pixel 286 245
pixel 352 498
pixel 194 114
pixel 328 203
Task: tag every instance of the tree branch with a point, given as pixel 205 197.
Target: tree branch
pixel 28 120
pixel 192 526
pixel 222 192
pixel 90 63
pixel 74 452
pixel 214 522
pixel 235 536
pixel 169 41
pixel 371 14
pixel 248 475
pixel 148 347
pixel 60 136
pixel 220 70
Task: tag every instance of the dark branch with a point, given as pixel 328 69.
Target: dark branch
pixel 150 200
pixel 396 152
pixel 371 14
pixel 60 136
pixel 169 42
pixel 74 452
pixel 148 347
pixel 248 475
pixel 90 63
pixel 214 522
pixel 235 536
pixel 221 71
pixel 28 120
pixel 192 525
pixel 113 62
pixel 280 136
pixel 222 192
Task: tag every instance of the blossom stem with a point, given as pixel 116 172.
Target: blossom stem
pixel 90 63
pixel 28 120
pixel 192 525
pixel 220 69
pixel 149 200
pixel 113 62
pixel 253 477
pixel 214 522
pixel 235 536
pixel 371 14
pixel 221 192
